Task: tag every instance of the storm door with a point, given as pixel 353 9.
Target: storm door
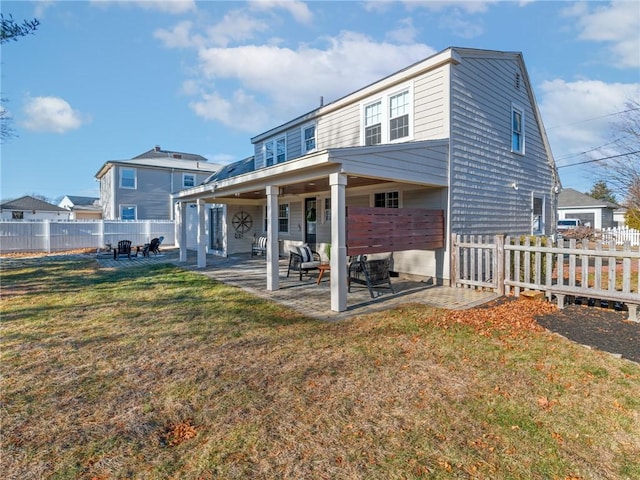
pixel 310 215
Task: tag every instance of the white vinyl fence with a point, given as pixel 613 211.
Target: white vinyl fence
pixel 621 235
pixel 57 236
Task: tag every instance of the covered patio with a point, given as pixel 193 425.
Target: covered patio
pixel 337 174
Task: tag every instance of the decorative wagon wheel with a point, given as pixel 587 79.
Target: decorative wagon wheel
pixel 242 222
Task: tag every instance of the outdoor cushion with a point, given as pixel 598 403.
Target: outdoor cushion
pixel 306 254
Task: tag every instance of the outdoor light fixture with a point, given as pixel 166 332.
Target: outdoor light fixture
pixel 514 185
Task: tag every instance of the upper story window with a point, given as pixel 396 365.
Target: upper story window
pixel 275 151
pixel 128 178
pixel 127 212
pixel 188 180
pixel 389 118
pixel 399 116
pixel 308 138
pixel 387 200
pixel 281 150
pixel 517 130
pixel 373 124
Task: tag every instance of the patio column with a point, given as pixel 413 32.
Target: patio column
pixel 182 230
pixel 338 182
pixel 202 235
pixel 273 254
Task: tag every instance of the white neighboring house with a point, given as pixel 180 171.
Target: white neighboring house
pixel 619 217
pixel 141 188
pixel 592 212
pixel 458 134
pixel 82 208
pixel 30 208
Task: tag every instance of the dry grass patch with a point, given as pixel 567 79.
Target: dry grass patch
pixel 161 373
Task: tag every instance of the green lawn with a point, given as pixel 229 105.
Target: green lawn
pixel 160 373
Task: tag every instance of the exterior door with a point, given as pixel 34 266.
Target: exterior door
pixel 311 221
pixel 216 229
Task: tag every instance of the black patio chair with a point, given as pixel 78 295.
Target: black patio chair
pixel 124 248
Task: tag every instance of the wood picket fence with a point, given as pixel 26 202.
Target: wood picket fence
pixel 564 270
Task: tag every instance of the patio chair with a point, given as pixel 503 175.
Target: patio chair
pixel 124 248
pixel 303 260
pixel 372 273
pixel 153 247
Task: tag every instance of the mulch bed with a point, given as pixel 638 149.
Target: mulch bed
pixel 604 329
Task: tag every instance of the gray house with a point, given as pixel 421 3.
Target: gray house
pixel 452 144
pixel 141 188
pixel 592 212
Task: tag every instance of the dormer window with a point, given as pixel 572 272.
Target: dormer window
pixel 308 138
pixel 389 118
pixel 275 151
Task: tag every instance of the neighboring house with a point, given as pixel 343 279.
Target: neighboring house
pixel 457 136
pixel 592 212
pixel 30 208
pixel 141 188
pixel 619 217
pixel 82 208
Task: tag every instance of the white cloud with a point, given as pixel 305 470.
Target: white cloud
pixel 292 81
pixel 617 24
pixel 173 7
pixel 578 115
pixel 178 37
pixel 299 10
pixel 51 114
pixel 406 32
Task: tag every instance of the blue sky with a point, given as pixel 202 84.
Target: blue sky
pixel 106 80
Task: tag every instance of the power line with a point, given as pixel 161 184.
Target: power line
pixel 593 118
pixel 599 159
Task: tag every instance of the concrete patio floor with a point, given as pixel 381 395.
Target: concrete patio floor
pixel 306 296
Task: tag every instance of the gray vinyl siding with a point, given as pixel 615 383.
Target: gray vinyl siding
pixel 340 128
pixel 483 168
pixel 430 105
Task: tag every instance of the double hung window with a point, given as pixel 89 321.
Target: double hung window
pixel 308 138
pixel 275 151
pixel 283 218
pixel 388 118
pixel 128 178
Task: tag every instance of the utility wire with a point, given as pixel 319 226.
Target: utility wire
pixel 599 159
pixel 593 118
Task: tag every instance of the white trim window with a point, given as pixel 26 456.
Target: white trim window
pixel 308 138
pixel 537 219
pixel 373 124
pixel 283 218
pixel 128 212
pixel 188 180
pixel 275 151
pixel 386 200
pixel 517 129
pixel 128 178
pixel 389 118
pixel 327 209
pixel 281 149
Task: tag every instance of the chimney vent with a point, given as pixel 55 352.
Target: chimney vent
pixel 321 101
pixel 157 148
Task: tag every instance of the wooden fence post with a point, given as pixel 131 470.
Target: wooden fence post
pixel 498 264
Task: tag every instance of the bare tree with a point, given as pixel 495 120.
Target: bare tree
pixel 622 170
pixel 11 30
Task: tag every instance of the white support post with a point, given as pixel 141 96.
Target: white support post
pixel 46 227
pixel 182 230
pixel 202 235
pixel 338 182
pixel 273 254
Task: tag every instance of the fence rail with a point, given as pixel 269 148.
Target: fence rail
pixel 603 271
pixel 57 236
